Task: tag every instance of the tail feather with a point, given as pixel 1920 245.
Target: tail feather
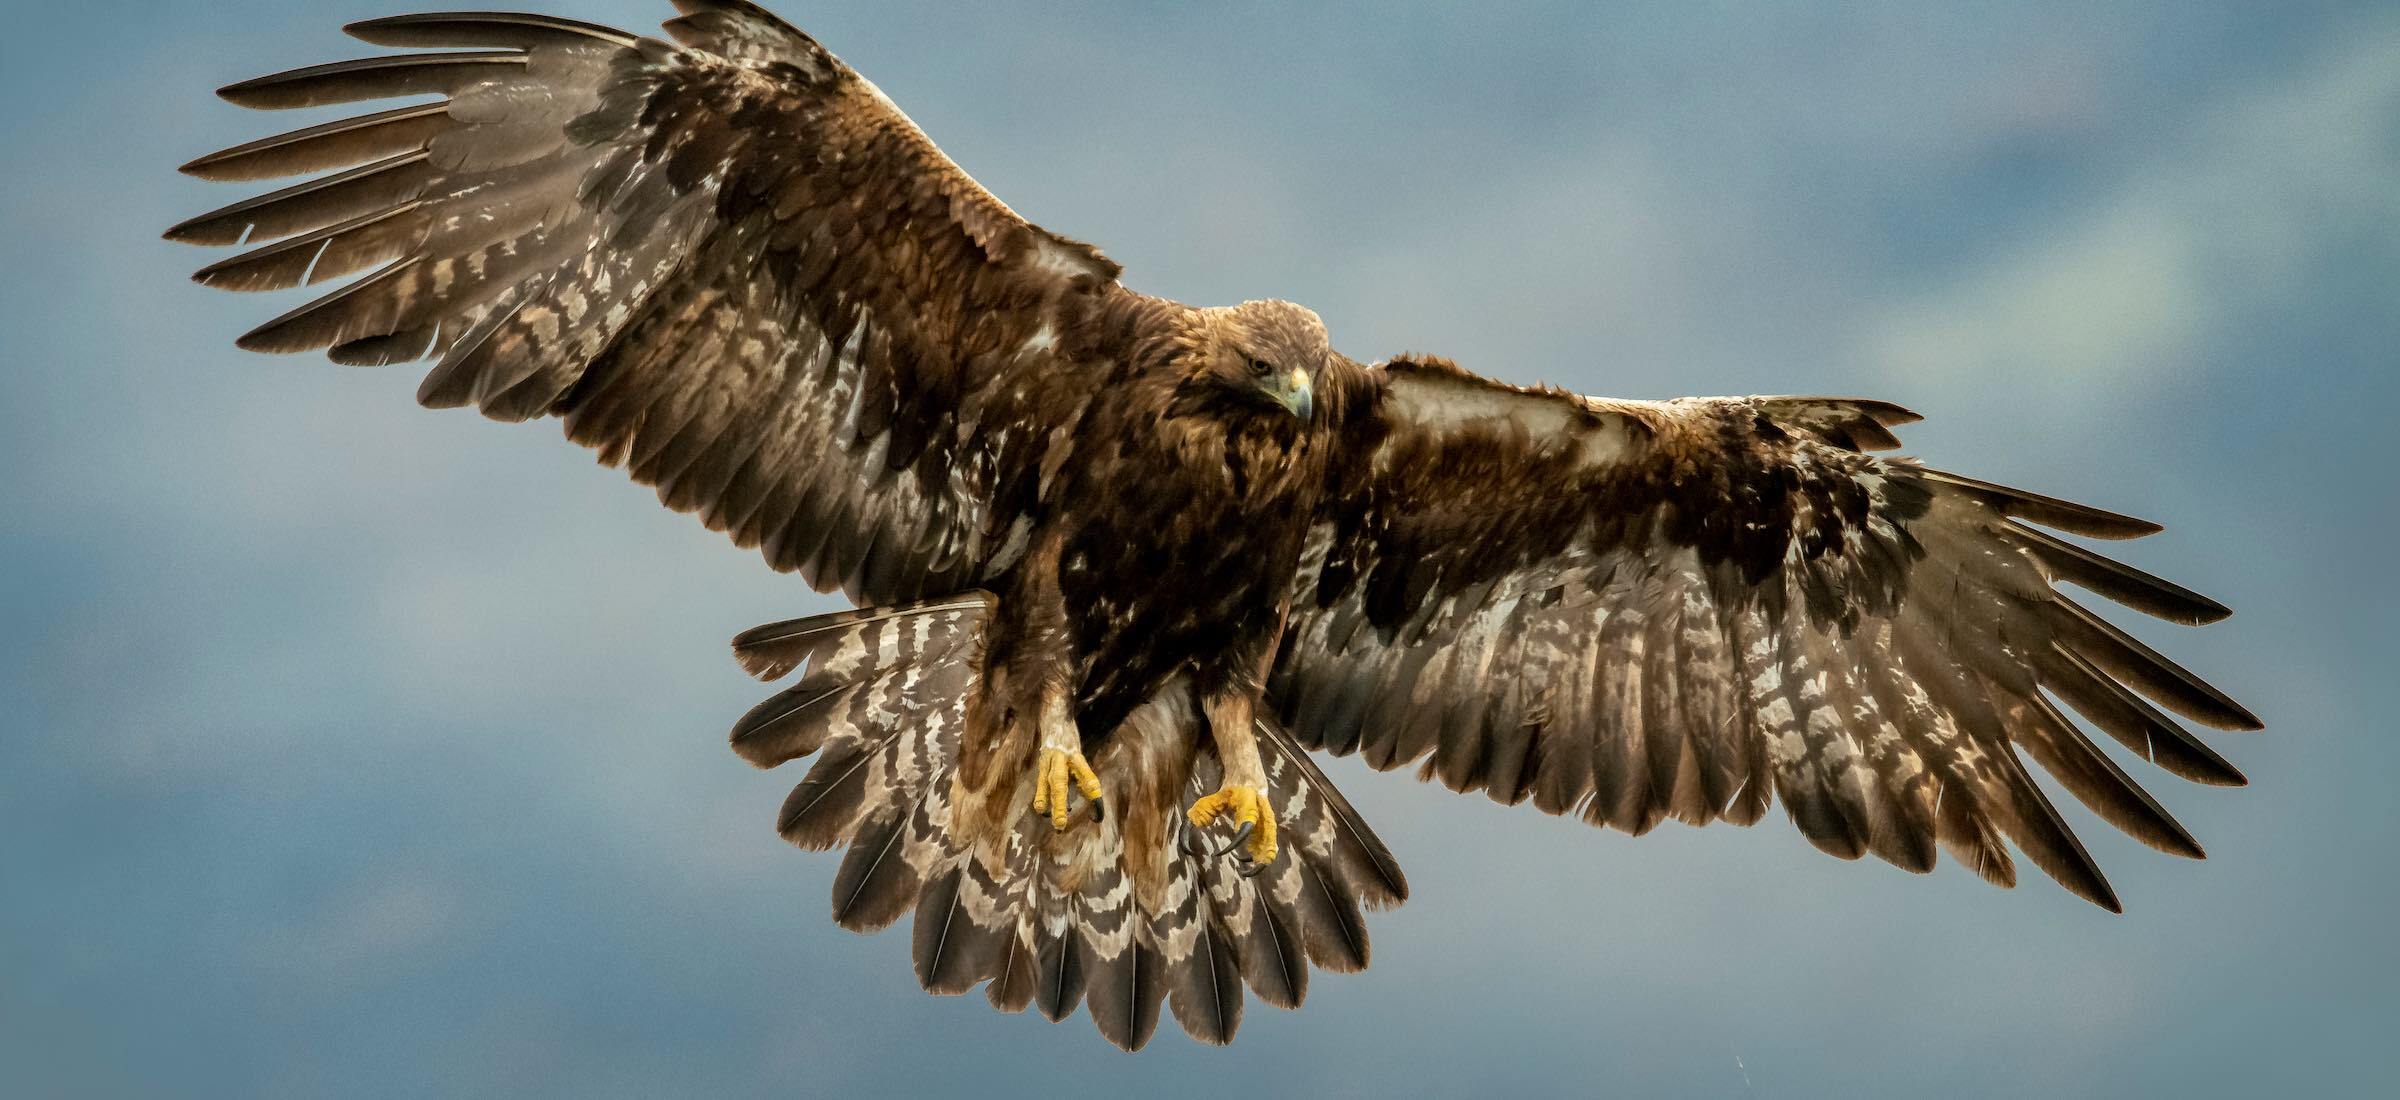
pixel 821 811
pixel 1273 959
pixel 953 949
pixel 1009 896
pixel 792 723
pixel 1333 928
pixel 1058 969
pixel 875 885
pixel 1128 915
pixel 1205 985
pixel 1013 979
pixel 1351 848
pixel 837 645
pixel 1126 968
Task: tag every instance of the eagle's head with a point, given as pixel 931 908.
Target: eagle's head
pixel 1265 354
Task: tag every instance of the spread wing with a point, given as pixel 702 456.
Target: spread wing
pixel 1629 611
pixel 730 264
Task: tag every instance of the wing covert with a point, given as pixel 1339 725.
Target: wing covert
pixel 728 262
pixel 1628 611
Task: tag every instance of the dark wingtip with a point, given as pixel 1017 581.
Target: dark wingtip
pixel 2085 880
pixel 2083 519
pixel 2177 841
pixel 375 31
pixel 1886 413
pixel 214 276
pixel 266 339
pixel 2222 713
pixel 217 227
pixel 198 167
pixel 2205 611
pixel 2092 886
pixel 2229 776
pixel 247 93
pixel 512 30
pixel 2049 511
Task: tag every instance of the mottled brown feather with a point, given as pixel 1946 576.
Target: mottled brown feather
pixel 1635 610
pixel 728 264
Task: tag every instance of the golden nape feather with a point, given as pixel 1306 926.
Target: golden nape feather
pixel 1165 550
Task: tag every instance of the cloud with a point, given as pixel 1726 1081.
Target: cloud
pixel 380 744
pixel 2240 210
pixel 367 930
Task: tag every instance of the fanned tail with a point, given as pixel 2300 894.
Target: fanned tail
pixel 1125 915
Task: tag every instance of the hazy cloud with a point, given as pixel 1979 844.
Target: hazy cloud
pixel 356 749
pixel 2242 208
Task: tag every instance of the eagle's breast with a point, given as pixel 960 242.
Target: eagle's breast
pixel 1184 568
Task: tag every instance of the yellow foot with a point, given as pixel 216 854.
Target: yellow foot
pixel 1056 770
pixel 1248 808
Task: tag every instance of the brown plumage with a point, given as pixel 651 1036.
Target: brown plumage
pixel 1186 544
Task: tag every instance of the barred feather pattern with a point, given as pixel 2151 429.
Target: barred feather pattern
pixel 1631 611
pixel 1053 920
pixel 730 265
pixel 728 262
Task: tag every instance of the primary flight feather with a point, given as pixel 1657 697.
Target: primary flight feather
pixel 1122 562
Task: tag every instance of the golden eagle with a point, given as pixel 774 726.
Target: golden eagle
pixel 1122 563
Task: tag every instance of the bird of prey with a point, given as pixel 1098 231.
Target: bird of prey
pixel 1121 564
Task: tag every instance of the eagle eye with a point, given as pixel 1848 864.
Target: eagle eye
pixel 1260 368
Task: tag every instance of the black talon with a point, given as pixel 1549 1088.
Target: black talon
pixel 1249 869
pixel 1239 835
pixel 1099 812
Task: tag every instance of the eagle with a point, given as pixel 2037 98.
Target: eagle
pixel 1120 565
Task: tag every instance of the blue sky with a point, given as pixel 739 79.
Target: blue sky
pixel 354 747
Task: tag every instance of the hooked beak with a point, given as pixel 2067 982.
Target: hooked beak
pixel 1296 394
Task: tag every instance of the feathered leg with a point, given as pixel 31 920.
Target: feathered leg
pixel 1062 767
pixel 1038 680
pixel 1243 797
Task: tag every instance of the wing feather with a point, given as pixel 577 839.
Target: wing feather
pixel 369 78
pixel 1629 611
pixel 728 262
